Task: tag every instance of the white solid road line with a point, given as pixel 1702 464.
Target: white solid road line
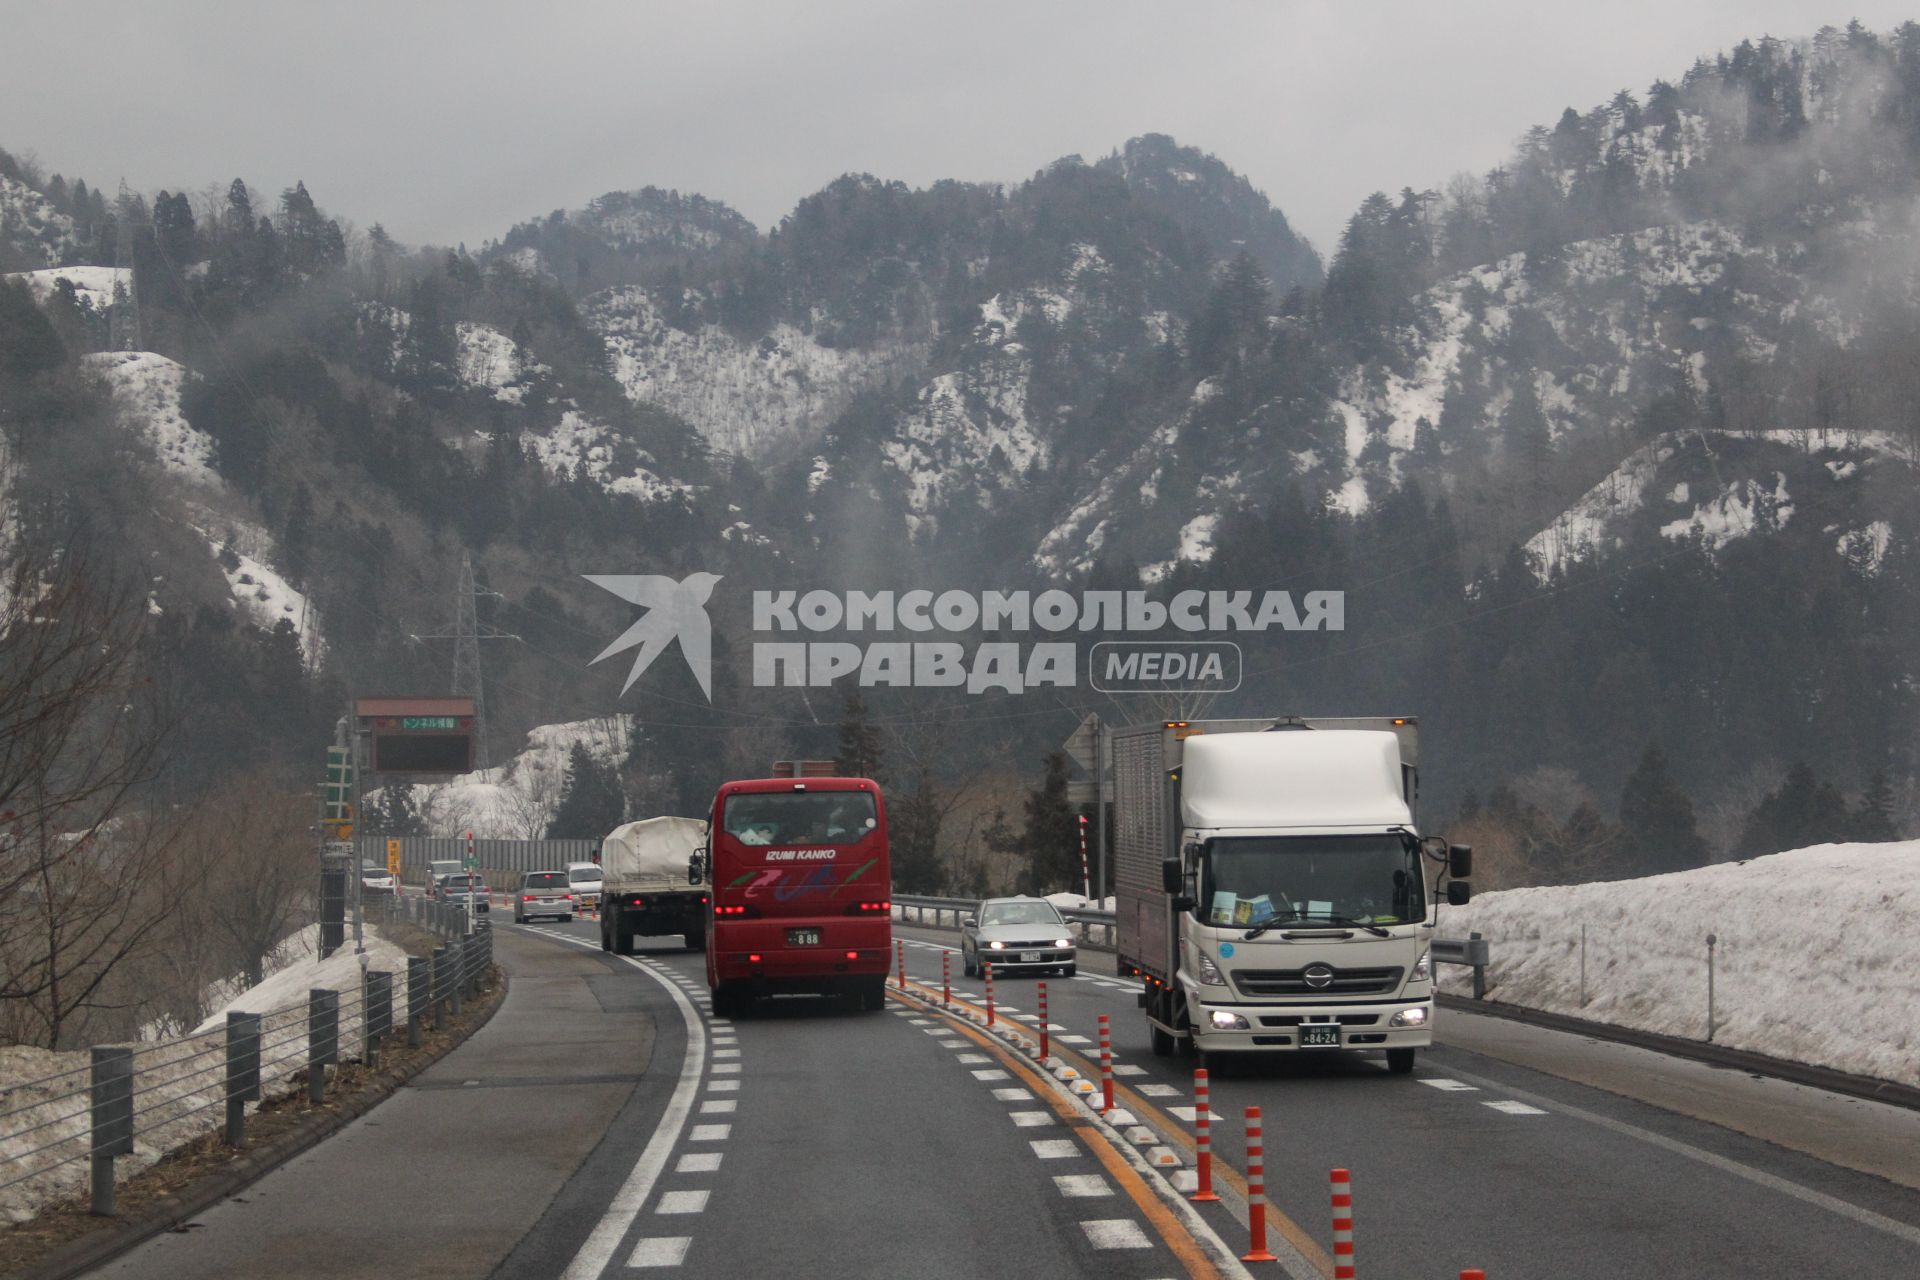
pixel 605 1238
pixel 1759 1177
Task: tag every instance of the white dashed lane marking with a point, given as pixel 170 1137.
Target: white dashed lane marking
pixel 723 1086
pixel 722 1106
pixel 660 1251
pixel 1449 1086
pixel 683 1201
pixel 1158 1090
pixel 699 1162
pixel 991 1073
pixel 710 1133
pixel 1055 1148
pixel 1116 1233
pixel 1013 1093
pixel 1082 1185
pixel 1513 1108
pixel 1030 1119
pixel 1128 1069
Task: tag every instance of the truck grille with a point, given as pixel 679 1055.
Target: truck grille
pixel 1340 982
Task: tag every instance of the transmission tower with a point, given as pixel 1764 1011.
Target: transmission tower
pixel 467 633
pixel 125 332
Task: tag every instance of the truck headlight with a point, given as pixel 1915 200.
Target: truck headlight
pixel 1423 968
pixel 1224 1021
pixel 1408 1018
pixel 1210 972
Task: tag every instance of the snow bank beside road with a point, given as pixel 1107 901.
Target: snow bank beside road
pixel 1817 955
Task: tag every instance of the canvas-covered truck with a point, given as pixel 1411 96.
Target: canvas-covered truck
pixel 647 890
pixel 1271 886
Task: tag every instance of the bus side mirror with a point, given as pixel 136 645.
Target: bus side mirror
pixel 1170 874
pixel 1459 861
pixel 1459 893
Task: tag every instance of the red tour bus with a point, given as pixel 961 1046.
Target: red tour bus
pixel 802 891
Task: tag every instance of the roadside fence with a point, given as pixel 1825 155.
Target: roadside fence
pixel 72 1128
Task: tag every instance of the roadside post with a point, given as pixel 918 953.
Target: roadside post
pixel 1202 1138
pixel 946 978
pixel 1256 1193
pixel 111 1115
pixel 1043 1020
pixel 323 1040
pixel 988 966
pixel 1106 1066
pixel 243 1072
pixel 1342 1225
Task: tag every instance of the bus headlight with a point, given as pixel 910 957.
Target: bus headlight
pixel 1423 968
pixel 1408 1018
pixel 1210 972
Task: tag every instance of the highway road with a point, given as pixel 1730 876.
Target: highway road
pixel 606 1124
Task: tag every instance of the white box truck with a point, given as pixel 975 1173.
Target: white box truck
pixel 1270 886
pixel 648 890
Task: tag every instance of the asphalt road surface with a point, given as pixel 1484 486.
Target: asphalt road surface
pixel 605 1124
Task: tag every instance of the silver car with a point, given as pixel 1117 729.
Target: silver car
pixel 1016 934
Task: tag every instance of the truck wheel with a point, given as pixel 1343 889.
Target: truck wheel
pixel 1400 1061
pixel 606 938
pixel 873 996
pixel 1162 1043
pixel 1068 971
pixel 567 919
pixel 625 945
pixel 695 941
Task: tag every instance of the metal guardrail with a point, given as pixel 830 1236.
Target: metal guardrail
pixel 171 1092
pixel 1087 918
pixel 1471 951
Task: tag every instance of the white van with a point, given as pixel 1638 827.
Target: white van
pixel 585 879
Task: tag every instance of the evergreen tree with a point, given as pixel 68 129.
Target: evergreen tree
pixel 1802 811
pixel 394 814
pixel 1525 433
pixel 1873 821
pixel 591 803
pixel 1657 831
pixel 860 754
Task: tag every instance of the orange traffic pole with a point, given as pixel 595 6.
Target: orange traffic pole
pixel 1203 1137
pixel 1342 1225
pixel 900 961
pixel 1106 1066
pixel 1043 1019
pixel 946 977
pixel 989 969
pixel 1256 1192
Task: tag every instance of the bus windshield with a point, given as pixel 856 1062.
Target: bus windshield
pixel 786 818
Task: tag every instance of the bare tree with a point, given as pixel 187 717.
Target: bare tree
pixel 86 872
pixel 256 838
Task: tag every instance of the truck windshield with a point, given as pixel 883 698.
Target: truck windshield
pixel 814 817
pixel 1256 880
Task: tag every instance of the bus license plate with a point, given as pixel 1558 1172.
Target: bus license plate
pixel 1320 1037
pixel 803 937
pixel 1029 957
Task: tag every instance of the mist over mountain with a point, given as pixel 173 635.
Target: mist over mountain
pixel 1610 448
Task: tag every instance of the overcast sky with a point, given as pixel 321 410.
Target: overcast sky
pixel 451 121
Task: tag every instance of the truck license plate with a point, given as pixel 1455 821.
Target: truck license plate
pixel 1320 1037
pixel 1029 957
pixel 803 937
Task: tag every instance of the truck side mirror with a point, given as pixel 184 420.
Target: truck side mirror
pixel 1459 893
pixel 1181 902
pixel 1170 874
pixel 1460 861
pixel 696 866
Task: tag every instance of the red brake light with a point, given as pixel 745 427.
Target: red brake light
pixel 526 897
pixel 735 911
pixel 868 908
pixel 753 958
pixel 853 955
pixel 638 902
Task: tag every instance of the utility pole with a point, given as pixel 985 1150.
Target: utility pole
pixel 467 633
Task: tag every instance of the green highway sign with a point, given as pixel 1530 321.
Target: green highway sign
pixel 428 722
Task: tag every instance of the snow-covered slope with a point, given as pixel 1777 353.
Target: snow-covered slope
pixel 515 801
pixel 146 388
pixel 1814 958
pixel 742 396
pixel 30 227
pixel 93 286
pixel 579 445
